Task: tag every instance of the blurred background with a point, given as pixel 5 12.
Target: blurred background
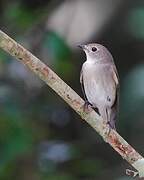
pixel 41 137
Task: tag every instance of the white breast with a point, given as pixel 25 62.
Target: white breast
pixel 98 84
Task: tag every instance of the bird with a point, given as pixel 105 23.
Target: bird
pixel 100 82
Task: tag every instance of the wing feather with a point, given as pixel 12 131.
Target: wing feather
pixel 82 85
pixel 115 106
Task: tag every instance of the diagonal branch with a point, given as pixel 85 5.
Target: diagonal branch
pixel 74 100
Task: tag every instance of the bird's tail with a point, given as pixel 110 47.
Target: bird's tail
pixel 109 115
pixel 113 117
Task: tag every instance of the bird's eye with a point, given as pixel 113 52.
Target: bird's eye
pixel 94 49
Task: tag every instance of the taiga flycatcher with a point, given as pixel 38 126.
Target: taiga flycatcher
pixel 100 82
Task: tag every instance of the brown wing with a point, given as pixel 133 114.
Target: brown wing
pixel 115 75
pixel 115 106
pixel 82 85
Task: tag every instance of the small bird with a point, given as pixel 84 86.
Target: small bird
pixel 100 83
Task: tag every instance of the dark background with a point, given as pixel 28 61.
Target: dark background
pixel 41 137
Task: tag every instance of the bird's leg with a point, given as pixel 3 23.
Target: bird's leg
pixel 87 105
pixel 111 126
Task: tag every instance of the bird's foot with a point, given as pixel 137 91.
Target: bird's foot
pixel 106 131
pixel 109 126
pixel 87 106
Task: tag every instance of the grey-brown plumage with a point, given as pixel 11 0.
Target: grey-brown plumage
pixel 99 80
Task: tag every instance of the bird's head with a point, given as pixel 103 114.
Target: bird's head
pixel 96 53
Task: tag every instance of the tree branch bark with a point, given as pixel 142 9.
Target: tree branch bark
pixel 74 100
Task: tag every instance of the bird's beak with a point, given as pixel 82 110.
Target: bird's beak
pixel 82 46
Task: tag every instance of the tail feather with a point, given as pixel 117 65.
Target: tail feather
pixel 113 117
pixel 109 115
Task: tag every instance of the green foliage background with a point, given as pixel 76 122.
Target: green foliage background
pixel 41 138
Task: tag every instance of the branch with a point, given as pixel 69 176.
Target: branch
pixel 75 101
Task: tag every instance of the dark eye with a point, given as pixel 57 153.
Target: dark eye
pixel 94 49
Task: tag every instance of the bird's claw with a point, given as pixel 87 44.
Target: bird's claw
pixel 107 130
pixel 87 106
